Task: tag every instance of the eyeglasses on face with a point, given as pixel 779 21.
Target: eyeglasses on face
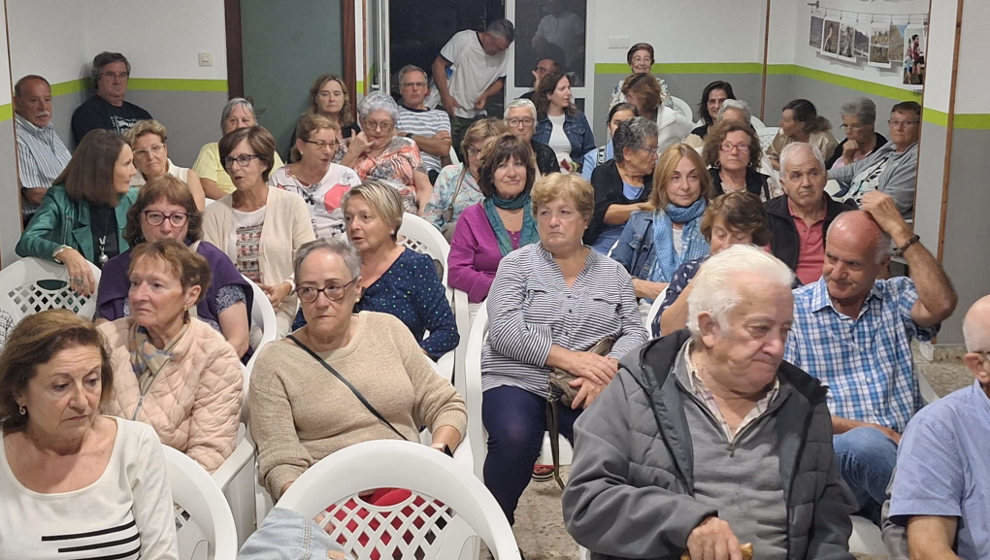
pixel 241 160
pixel 901 124
pixel 116 75
pixel 526 121
pixel 727 147
pixel 308 294
pixel 379 126
pixel 155 218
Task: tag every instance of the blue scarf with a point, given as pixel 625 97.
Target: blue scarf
pixel 528 233
pixel 694 243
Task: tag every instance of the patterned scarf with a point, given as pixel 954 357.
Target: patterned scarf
pixel 146 359
pixel 694 243
pixel 528 233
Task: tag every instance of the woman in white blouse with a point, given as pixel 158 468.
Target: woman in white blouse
pixel 70 477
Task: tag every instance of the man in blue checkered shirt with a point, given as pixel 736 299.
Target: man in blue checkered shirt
pixel 853 331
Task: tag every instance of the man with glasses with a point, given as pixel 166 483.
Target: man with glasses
pixel 941 490
pixel 853 331
pixel 892 168
pixel 107 109
pixel 41 154
pixel 543 67
pixel 429 128
pixel 520 115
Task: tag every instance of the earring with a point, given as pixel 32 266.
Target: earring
pixel 22 410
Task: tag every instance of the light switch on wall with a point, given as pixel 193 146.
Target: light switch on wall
pixel 205 59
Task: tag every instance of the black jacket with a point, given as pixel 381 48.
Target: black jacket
pixel 756 183
pixel 608 191
pixel 546 159
pixel 784 241
pixel 837 153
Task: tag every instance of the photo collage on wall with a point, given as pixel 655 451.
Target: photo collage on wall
pixel 888 45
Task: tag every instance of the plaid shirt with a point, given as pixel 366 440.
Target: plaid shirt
pixel 866 362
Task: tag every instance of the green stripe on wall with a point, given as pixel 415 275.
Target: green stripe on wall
pixel 6 112
pixel 864 86
pixel 968 121
pixel 359 87
pixel 70 87
pixel 147 84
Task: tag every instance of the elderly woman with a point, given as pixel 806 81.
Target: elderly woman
pixel 500 224
pixel 642 91
pixel 618 113
pixel 858 119
pixel 712 97
pixel 174 371
pixel 731 219
pixel 550 303
pixel 561 125
pixel 299 414
pixel 70 477
pixel 83 215
pixel 800 122
pixel 212 170
pixel 457 185
pixel 666 233
pixel 148 140
pixel 313 175
pixel 622 185
pixel 732 152
pixel 520 115
pixel 377 153
pixel 257 226
pixel 165 209
pixel 396 279
pixel 640 58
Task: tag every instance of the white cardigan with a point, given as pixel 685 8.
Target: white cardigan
pixel 287 226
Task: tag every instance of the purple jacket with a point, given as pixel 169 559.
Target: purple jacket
pixel 474 254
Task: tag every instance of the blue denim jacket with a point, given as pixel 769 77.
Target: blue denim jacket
pixel 576 128
pixel 287 535
pixel 634 250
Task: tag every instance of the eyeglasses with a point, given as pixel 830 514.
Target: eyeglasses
pixel 155 218
pixel 321 144
pixel 308 294
pixel 901 124
pixel 520 122
pixel 156 149
pixel 727 147
pixel 414 85
pixel 241 160
pixel 116 75
pixel 380 126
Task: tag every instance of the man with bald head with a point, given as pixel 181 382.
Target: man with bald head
pixel 41 154
pixel 942 486
pixel 800 217
pixel 853 331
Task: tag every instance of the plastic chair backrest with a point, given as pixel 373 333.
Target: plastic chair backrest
pixel 195 491
pixel 654 309
pixel 447 506
pixel 757 123
pixel 423 237
pixel 767 134
pixel 262 313
pixel 31 285
pixel 469 385
pixel 683 107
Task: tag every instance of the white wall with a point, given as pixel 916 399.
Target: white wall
pixel 973 79
pixel 60 52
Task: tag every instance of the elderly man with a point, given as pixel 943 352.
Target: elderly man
pixel 543 67
pixel 41 155
pixel 891 169
pixel 480 65
pixel 520 116
pixel 853 331
pixel 941 491
pixel 800 217
pixel 707 439
pixel 858 119
pixel 107 109
pixel 429 128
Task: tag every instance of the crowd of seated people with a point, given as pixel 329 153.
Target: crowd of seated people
pixel 761 301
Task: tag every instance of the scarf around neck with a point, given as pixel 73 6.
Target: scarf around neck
pixel 695 246
pixel 528 233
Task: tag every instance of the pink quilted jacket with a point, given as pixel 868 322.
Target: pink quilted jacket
pixel 195 401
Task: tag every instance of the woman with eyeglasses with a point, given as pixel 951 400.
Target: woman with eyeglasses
pixel 165 209
pixel 257 226
pixel 732 152
pixel 313 175
pixel 300 413
pixel 148 141
pixel 378 153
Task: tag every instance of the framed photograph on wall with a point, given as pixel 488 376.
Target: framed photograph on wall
pixel 815 33
pixel 914 56
pixel 830 37
pixel 862 46
pixel 879 45
pixel 552 29
pixel 847 40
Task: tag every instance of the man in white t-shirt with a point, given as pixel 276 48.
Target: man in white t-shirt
pixel 429 128
pixel 479 65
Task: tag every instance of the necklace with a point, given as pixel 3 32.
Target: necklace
pixel 102 257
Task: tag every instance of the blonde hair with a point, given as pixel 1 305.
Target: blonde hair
pixel 383 198
pixel 146 127
pixel 555 186
pixel 666 166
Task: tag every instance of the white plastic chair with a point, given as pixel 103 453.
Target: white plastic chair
pixel 453 156
pixel 757 123
pixel 423 237
pixel 237 476
pixel 195 491
pixel 463 318
pixel 263 315
pixel 654 309
pixel 682 107
pixel 22 295
pixel 866 538
pixel 442 532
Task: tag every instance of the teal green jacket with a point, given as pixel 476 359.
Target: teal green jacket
pixel 64 221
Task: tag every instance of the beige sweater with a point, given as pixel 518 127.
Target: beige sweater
pixel 300 412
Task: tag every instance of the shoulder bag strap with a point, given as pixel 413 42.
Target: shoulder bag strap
pixel 347 383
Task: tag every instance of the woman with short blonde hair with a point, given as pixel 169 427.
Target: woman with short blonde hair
pixel 149 140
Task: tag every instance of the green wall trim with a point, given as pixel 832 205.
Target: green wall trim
pixel 686 68
pixel 359 87
pixel 968 121
pixel 864 86
pixel 6 112
pixel 147 84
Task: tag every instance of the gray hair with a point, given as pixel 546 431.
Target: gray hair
pixel 229 108
pixel 503 28
pixel 335 245
pixel 737 104
pixel 107 57
pixel 882 243
pixel 633 134
pixel 525 103
pixel 788 151
pixel 378 101
pixel 411 68
pixel 863 108
pixel 715 289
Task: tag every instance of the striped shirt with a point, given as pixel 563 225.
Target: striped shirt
pixel 531 307
pixel 424 122
pixel 865 361
pixel 41 156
